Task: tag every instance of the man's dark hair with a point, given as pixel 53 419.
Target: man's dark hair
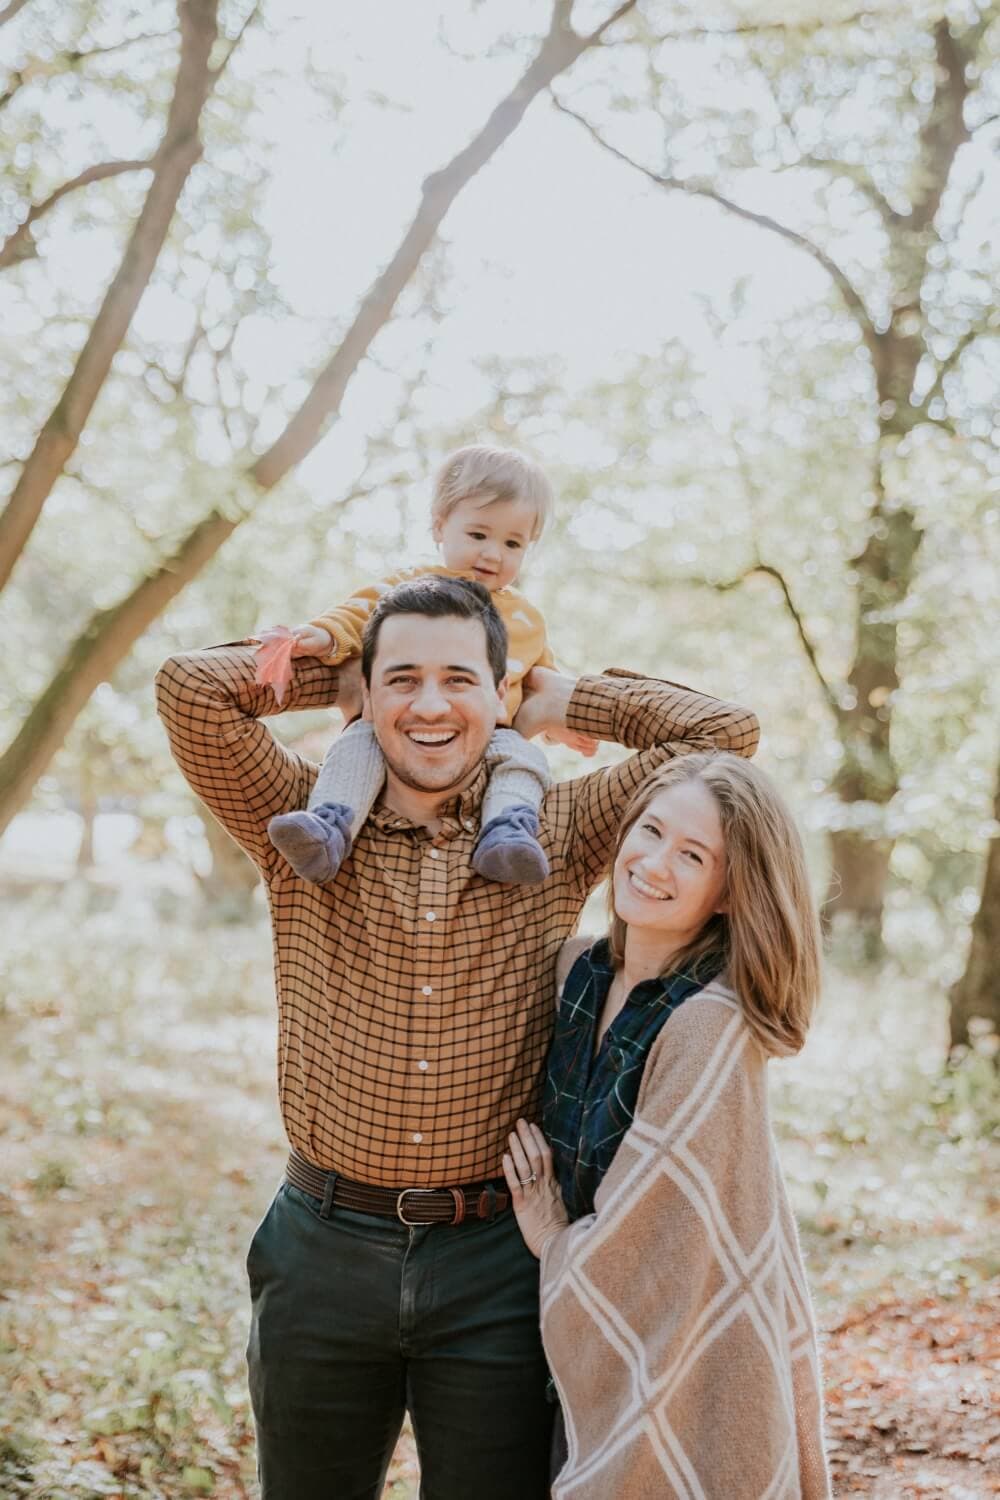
pixel 438 597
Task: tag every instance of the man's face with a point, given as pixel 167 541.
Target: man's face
pixel 432 701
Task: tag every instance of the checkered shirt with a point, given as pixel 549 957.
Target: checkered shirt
pixel 415 999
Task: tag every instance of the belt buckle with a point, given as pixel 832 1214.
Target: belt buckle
pixel 400 1215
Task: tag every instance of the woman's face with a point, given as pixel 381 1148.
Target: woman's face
pixel 670 872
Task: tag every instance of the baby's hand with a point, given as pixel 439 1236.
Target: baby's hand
pixel 585 744
pixel 311 640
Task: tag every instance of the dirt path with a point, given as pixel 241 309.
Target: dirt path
pixel 141 1142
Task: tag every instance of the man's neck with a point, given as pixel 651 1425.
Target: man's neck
pixel 424 809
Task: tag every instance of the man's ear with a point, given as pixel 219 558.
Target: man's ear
pixel 366 702
pixel 503 687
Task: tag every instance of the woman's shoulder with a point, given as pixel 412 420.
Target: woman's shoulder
pixel 705 1066
pixel 572 949
pixel 708 1028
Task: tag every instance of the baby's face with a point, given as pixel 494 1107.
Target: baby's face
pixel 488 541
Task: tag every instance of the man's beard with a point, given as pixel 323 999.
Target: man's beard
pixel 453 778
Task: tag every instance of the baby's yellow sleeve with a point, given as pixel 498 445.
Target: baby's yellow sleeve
pixel 346 623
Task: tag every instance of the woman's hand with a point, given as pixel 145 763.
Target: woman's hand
pixel 534 1190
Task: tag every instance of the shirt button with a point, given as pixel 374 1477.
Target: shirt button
pixel 417 1137
pixel 435 854
pixel 423 1065
pixel 469 824
pixel 426 990
pixel 432 916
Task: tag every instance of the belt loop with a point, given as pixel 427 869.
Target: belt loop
pixel 459 1200
pixel 331 1183
pixel 487 1205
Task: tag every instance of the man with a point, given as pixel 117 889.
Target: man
pixel 415 1007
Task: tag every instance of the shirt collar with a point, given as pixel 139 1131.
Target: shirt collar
pixel 459 814
pixel 669 986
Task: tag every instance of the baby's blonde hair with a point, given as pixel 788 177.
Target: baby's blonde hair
pixel 768 938
pixel 486 475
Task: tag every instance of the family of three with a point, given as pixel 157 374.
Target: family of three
pixel 532 1196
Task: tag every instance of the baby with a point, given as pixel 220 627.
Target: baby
pixel 489 506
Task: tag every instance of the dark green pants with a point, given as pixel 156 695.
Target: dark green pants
pixel 357 1319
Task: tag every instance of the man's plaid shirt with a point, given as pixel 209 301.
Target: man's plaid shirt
pixel 415 999
pixel 590 1100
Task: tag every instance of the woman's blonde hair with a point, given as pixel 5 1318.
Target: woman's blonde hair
pixel 768 938
pixel 486 475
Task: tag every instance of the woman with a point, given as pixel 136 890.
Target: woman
pixel 675 1313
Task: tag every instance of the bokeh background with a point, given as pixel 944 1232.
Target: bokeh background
pixel 730 272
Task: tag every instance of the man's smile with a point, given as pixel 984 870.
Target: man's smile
pixel 431 738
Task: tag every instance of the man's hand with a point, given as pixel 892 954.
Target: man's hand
pixel 349 684
pixel 546 699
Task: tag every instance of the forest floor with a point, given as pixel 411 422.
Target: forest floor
pixel 142 1142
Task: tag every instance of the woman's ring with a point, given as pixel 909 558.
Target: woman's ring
pixel 528 1180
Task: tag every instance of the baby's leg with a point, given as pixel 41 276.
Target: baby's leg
pixel 316 841
pixel 508 848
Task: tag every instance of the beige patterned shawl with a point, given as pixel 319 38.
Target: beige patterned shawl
pixel 676 1319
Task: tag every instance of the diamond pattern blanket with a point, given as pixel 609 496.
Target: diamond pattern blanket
pixel 676 1318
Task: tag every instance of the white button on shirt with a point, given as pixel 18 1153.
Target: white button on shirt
pixel 426 990
pixel 432 916
pixel 423 1065
pixel 435 854
pixel 417 1138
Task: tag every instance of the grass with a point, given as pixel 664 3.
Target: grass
pixel 142 1142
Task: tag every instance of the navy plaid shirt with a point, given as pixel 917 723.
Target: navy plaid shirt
pixel 590 1101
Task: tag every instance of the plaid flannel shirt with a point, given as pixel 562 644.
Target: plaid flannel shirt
pixel 590 1101
pixel 415 999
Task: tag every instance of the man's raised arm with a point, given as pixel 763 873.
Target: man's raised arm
pixel 211 708
pixel 657 719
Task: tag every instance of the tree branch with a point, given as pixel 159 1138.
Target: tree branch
pixel 560 48
pixel 944 130
pixel 765 28
pixel 248 21
pixel 70 60
pixel 805 640
pixel 110 635
pixel 851 296
pixel 945 368
pixel 20 245
pixel 11 9
pixel 595 36
pixel 179 149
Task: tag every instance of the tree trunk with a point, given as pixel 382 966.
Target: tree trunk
pixel 860 858
pixel 977 993
pixel 111 633
pixel 859 873
pixel 93 657
pixel 177 154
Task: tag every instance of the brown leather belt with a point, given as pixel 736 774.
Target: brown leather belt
pixel 413 1205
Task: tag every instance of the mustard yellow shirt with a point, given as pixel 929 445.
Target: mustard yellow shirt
pixel 527 643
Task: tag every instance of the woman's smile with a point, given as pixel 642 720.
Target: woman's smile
pixel 644 888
